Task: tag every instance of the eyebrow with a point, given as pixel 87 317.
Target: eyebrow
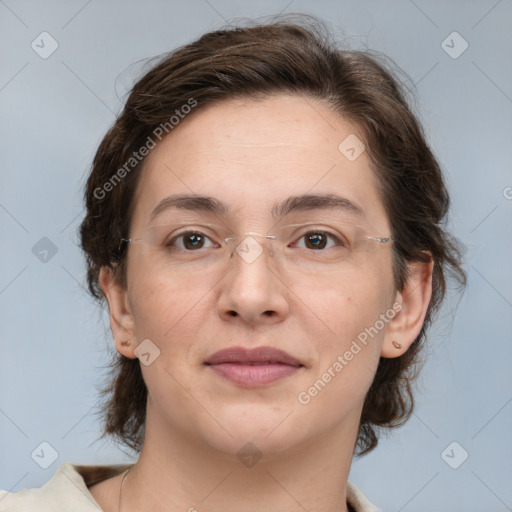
pixel 305 202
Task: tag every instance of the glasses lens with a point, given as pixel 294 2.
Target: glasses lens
pixel 313 248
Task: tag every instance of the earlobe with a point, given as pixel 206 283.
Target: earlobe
pixel 121 318
pixel 414 300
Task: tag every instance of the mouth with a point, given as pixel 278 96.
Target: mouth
pixel 253 367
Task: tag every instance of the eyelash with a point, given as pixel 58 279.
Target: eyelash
pixel 330 236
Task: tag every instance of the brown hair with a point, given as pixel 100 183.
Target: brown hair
pixel 296 57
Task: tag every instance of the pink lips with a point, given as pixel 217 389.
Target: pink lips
pixel 254 367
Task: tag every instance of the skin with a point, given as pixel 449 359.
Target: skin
pixel 250 155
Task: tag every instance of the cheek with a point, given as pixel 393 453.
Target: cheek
pixel 349 342
pixel 340 307
pixel 348 353
pixel 163 307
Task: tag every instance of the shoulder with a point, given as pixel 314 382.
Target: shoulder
pixel 67 490
pixel 358 500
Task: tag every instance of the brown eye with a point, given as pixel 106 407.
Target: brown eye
pixel 191 241
pixel 318 240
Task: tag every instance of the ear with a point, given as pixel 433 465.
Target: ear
pixel 121 318
pixel 413 303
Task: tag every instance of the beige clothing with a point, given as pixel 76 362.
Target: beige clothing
pixel 68 491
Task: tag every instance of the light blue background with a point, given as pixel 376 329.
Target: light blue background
pixel 55 341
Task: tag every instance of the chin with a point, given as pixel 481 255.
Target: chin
pixel 269 428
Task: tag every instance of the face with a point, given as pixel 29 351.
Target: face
pixel 191 303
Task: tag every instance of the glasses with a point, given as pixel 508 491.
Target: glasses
pixel 305 248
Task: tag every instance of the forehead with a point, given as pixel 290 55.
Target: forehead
pixel 253 154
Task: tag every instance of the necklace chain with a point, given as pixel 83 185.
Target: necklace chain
pixel 121 490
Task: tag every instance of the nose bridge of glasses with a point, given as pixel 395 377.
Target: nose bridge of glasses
pixel 250 245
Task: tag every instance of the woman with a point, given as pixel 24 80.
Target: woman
pixel 264 220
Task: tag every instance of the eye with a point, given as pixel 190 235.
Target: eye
pixel 318 240
pixel 191 241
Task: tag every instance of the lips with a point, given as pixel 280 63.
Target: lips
pixel 253 367
pixel 255 356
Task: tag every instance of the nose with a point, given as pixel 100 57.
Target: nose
pixel 252 289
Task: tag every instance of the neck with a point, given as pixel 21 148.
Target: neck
pixel 177 472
